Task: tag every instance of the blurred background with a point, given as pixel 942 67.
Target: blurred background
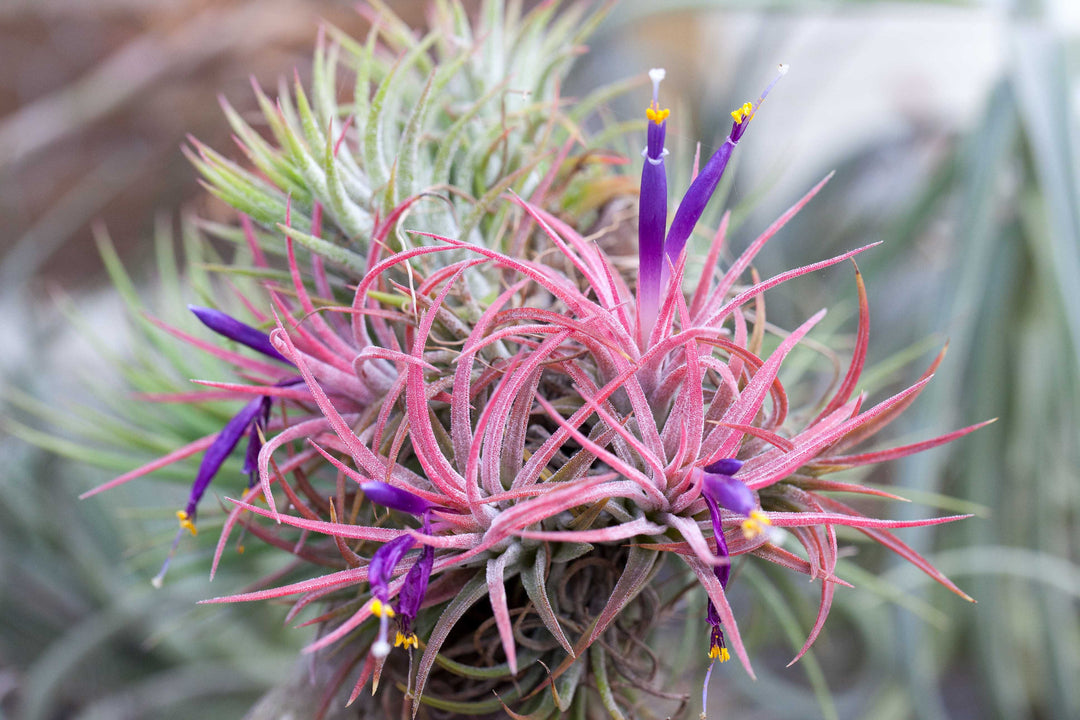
pixel 953 130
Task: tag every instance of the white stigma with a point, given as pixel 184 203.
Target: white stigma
pixel 657 75
pixel 381 648
pixel 781 71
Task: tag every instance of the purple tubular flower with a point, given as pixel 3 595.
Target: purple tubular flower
pixel 215 457
pixel 395 498
pixel 383 562
pixel 233 329
pixel 380 569
pixel 252 418
pixel 652 211
pixel 704 185
pixel 694 201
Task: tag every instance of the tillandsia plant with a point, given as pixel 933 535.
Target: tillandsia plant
pixel 514 457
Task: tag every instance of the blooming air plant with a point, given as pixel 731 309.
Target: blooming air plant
pixel 501 461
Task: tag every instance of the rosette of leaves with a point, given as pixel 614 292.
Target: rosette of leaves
pixel 467 411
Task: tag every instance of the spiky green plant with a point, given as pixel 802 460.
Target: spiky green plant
pixel 467 343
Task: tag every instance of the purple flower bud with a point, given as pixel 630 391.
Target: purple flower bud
pixel 233 329
pixel 395 498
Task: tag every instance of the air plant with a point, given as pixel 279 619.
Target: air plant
pixel 512 456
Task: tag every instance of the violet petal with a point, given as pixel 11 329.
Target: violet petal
pixel 415 587
pixel 395 498
pixel 722 572
pixel 724 466
pixel 383 562
pixel 729 493
pixel 694 201
pixel 233 329
pixel 652 223
pixel 219 451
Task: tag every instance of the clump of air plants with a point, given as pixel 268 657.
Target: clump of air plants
pixel 500 460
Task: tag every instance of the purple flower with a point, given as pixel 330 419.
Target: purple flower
pixel 720 490
pixel 252 420
pixel 387 557
pixel 652 211
pixel 380 570
pixel 216 455
pixel 704 185
pixel 717 649
pixel 233 329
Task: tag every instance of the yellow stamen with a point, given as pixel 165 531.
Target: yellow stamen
pixel 406 641
pixel 755 524
pixel 378 609
pixel 719 653
pixel 185 522
pixel 656 114
pixel 743 113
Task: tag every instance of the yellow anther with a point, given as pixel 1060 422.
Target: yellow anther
pixel 240 549
pixel 379 609
pixel 719 653
pixel 406 641
pixel 743 113
pixel 755 524
pixel 185 522
pixel 656 114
